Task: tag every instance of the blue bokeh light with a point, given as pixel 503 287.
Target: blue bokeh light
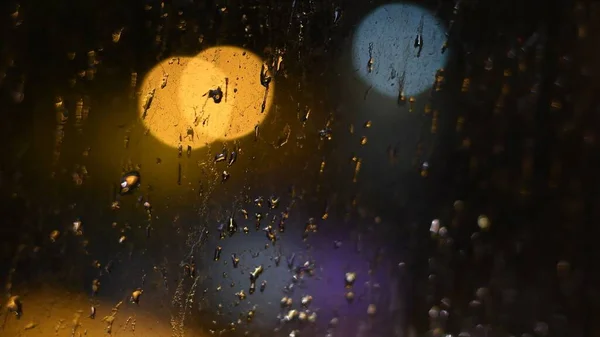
pixel 387 34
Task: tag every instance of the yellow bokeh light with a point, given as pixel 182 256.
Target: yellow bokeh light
pixel 183 103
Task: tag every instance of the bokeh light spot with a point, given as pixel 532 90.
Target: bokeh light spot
pixel 183 111
pixel 387 37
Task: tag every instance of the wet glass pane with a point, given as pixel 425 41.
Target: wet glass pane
pixel 299 168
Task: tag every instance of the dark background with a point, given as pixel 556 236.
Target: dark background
pixel 537 219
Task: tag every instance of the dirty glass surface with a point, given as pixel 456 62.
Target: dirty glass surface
pixel 299 168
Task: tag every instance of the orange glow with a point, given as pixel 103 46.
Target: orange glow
pixel 183 104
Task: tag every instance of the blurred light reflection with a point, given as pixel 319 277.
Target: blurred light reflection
pixel 386 55
pixel 177 103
